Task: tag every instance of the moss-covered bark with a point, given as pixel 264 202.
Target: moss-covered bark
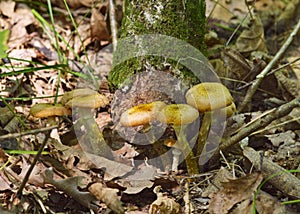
pixel 182 19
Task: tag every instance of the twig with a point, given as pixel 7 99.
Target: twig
pixel 26 177
pixel 251 91
pixel 113 23
pixel 16 135
pixel 188 207
pixel 261 123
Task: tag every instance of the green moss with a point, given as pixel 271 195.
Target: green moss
pixel 167 17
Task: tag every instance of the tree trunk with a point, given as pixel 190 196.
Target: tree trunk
pixel 181 19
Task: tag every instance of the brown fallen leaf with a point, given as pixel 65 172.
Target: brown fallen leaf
pixel 99 28
pixel 35 177
pixel 73 3
pixel 223 175
pixel 138 179
pixel 233 192
pixel 245 207
pixel 70 187
pixel 108 196
pixel 4 182
pixel 163 204
pixel 252 38
pixel 226 10
pixel 265 203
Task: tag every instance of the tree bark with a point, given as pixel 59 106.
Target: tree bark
pixel 181 19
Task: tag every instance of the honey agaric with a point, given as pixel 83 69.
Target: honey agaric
pixel 141 114
pixel 208 97
pixel 89 101
pixel 179 116
pixel 44 110
pixel 80 92
pixel 229 110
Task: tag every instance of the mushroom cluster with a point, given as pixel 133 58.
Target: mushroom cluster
pixel 83 98
pixel 203 98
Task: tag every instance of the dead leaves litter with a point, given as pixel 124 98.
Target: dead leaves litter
pixel 233 192
pixel 163 204
pixel 108 196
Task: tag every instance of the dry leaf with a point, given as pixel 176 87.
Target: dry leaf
pixel 35 177
pixel 4 182
pixel 108 196
pixel 287 137
pixel 288 83
pixel 73 3
pixel 265 203
pixel 139 180
pixel 163 204
pixel 252 38
pixel 21 18
pixel 113 169
pixel 99 29
pixel 223 175
pixel 70 187
pixel 244 207
pixel 233 192
pixel 226 10
pixel 7 8
pixel 235 66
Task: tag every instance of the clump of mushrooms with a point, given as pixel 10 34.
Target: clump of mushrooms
pixel 204 98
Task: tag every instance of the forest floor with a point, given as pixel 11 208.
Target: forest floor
pixel 76 162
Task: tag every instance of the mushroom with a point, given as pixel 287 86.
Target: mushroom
pixel 208 97
pixel 80 92
pixel 44 110
pixel 141 114
pixel 49 111
pixel 179 116
pixel 85 100
pixel 88 101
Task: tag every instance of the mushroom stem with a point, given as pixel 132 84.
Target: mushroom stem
pixel 203 133
pixel 176 156
pixel 183 145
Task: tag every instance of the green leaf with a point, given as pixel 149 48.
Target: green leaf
pixel 3 43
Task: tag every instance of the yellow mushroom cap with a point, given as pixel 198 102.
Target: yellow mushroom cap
pixel 76 93
pixel 178 114
pixel 90 101
pixel 43 110
pixel 208 96
pixel 141 114
pixel 230 109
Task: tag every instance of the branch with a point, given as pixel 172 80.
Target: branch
pixel 34 131
pixel 277 113
pixel 276 175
